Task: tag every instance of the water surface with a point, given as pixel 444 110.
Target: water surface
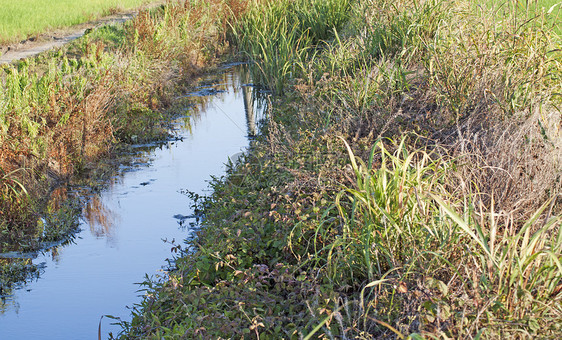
pixel 124 226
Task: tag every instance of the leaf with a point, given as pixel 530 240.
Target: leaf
pixel 434 283
pixel 375 283
pixel 464 226
pixel 317 328
pixel 534 324
pixel 479 334
pixel 552 8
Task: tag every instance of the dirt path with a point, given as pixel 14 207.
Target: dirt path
pixel 54 39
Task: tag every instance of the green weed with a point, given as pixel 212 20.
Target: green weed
pixel 279 37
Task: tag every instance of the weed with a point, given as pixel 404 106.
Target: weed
pixel 279 37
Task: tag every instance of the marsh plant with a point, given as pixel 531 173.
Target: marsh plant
pixel 280 36
pixel 405 185
pixel 459 262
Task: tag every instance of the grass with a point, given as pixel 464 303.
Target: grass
pixel 280 47
pixel 548 12
pixel 406 184
pixel 518 270
pixel 22 19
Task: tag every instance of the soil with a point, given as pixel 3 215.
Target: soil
pixel 53 39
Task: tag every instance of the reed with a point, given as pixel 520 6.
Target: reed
pixel 279 37
pixel 401 224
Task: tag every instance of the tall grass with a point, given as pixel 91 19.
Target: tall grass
pixel 380 208
pixel 512 62
pixel 16 219
pixel 399 222
pixel 279 36
pixel 474 76
pixel 54 101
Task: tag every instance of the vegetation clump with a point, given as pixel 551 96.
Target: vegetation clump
pixel 405 184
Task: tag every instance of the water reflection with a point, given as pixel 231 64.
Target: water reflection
pixel 255 102
pixel 248 92
pixel 16 272
pixel 125 219
pixel 210 95
pixel 100 218
pixel 57 198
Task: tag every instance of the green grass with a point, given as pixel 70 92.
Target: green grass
pixel 548 11
pixel 279 37
pixel 526 4
pixel 331 229
pixel 20 19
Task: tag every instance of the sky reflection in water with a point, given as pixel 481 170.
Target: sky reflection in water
pixel 124 226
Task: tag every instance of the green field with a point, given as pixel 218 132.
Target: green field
pixel 20 19
pixel 551 9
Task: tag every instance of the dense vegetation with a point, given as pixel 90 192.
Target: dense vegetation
pixel 406 183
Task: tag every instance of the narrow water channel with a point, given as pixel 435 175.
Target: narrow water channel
pixel 124 226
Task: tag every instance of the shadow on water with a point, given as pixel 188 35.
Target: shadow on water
pixel 125 219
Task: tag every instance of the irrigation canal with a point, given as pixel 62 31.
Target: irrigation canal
pixel 124 226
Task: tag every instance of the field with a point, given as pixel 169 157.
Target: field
pixel 21 19
pixel 526 9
